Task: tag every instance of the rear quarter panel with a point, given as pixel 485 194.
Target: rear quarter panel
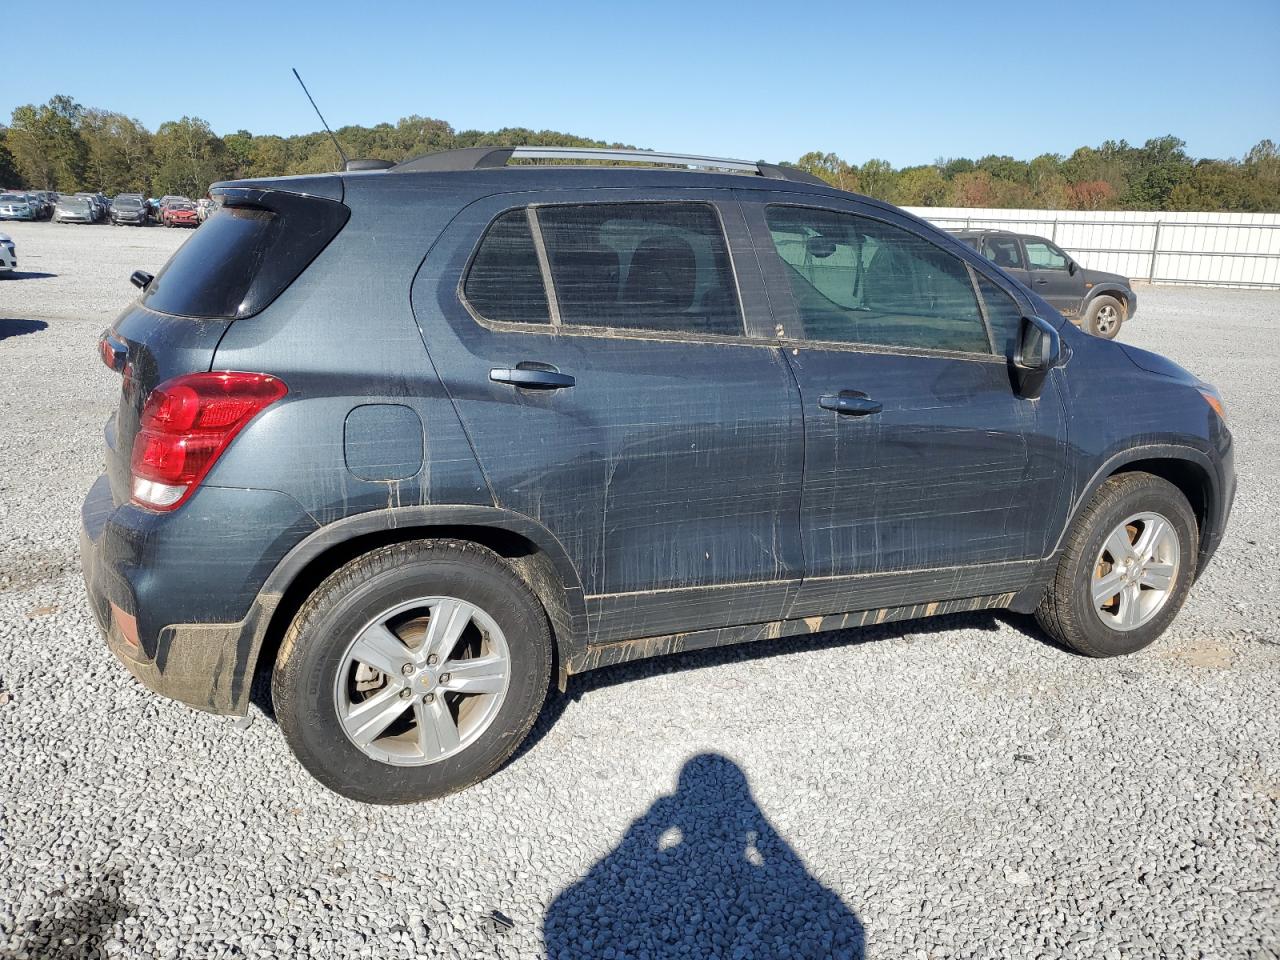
pixel 343 336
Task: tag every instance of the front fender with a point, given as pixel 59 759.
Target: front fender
pixel 1217 476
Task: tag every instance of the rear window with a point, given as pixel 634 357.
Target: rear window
pixel 641 266
pixel 243 257
pixel 504 281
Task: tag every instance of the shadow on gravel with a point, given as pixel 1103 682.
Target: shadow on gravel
pixel 74 928
pixel 27 275
pixel 16 328
pixel 702 874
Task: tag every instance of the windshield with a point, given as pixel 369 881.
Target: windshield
pixel 11 198
pixel 128 203
pixel 73 203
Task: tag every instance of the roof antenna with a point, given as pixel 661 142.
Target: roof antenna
pixel 337 146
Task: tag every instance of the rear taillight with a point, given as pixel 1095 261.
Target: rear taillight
pixel 186 424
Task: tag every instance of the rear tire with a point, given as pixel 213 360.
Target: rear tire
pixel 1104 317
pixel 1079 608
pixel 324 689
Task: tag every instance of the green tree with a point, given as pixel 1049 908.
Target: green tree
pixel 118 158
pixel 9 176
pixel 189 157
pixel 47 146
pixel 876 178
pixel 829 167
pixel 920 187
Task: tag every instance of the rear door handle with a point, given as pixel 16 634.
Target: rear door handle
pixel 1041 281
pixel 850 402
pixel 532 379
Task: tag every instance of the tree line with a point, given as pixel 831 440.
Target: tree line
pixel 64 146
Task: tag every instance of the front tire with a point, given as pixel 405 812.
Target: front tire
pixel 1104 317
pixel 412 672
pixel 1127 564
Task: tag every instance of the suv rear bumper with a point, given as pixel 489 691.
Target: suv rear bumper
pixel 178 595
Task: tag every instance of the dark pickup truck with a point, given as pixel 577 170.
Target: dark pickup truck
pixel 1095 301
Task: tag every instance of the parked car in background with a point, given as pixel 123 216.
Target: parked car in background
pixel 48 198
pixel 204 207
pixel 179 213
pixel 591 414
pixel 17 206
pixel 8 255
pixel 96 205
pixel 1097 302
pixel 39 206
pixel 75 209
pixel 129 209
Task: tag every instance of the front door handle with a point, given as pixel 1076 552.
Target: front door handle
pixel 531 378
pixel 851 402
pixel 1038 280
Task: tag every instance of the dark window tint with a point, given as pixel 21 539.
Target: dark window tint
pixel 1003 252
pixel 1043 255
pixel 650 266
pixel 242 258
pixel 211 272
pixel 858 280
pixel 1003 313
pixel 504 281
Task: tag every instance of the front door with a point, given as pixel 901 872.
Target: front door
pixel 1005 251
pixel 598 358
pixel 926 477
pixel 1052 276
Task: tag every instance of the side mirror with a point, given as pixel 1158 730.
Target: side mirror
pixel 1038 351
pixel 141 279
pixel 1071 267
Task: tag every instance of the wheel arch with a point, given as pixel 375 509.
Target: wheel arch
pixel 1187 468
pixel 533 552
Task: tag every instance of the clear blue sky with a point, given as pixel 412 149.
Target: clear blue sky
pixel 907 82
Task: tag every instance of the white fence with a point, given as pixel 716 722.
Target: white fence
pixel 1212 249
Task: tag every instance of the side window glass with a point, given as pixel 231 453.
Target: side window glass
pixel 858 280
pixel 1045 256
pixel 1003 313
pixel 504 281
pixel 1003 252
pixel 641 266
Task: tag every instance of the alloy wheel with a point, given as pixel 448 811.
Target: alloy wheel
pixel 1135 571
pixel 422 681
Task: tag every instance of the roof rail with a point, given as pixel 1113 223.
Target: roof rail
pixel 484 158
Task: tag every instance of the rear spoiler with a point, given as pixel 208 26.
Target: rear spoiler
pixel 322 187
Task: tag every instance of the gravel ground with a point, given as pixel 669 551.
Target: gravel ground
pixel 957 787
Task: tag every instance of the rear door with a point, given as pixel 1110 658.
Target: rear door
pixel 926 476
pixel 599 357
pixel 1051 275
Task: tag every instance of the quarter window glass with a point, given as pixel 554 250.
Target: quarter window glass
pixel 1003 252
pixel 646 266
pixel 504 281
pixel 1003 313
pixel 1045 256
pixel 858 280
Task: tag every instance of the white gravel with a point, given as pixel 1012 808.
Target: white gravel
pixel 951 788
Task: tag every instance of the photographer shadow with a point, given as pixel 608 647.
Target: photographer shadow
pixel 702 874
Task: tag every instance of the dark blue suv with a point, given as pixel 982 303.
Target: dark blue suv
pixel 423 440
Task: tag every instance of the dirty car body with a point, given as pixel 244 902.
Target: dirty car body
pixel 664 471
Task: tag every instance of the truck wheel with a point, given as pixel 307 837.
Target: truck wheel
pixel 1104 317
pixel 1126 567
pixel 413 671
